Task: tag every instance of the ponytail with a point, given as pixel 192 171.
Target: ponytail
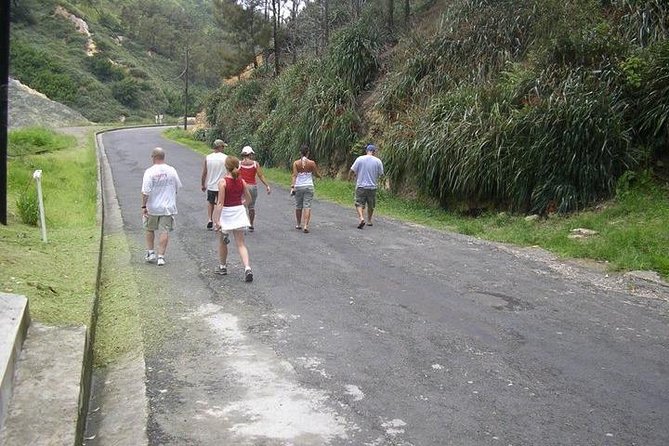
pixel 232 166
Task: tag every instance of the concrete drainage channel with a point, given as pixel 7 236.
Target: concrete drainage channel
pixel 47 372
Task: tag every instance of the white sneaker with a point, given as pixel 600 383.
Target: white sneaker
pixel 222 270
pixel 161 261
pixel 150 257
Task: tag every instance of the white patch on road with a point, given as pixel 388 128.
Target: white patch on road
pixel 355 392
pixel 313 364
pixel 274 404
pixel 437 366
pixel 394 427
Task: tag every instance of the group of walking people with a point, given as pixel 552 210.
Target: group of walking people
pixel 231 191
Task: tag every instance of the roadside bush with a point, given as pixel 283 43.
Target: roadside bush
pixel 28 207
pixel 563 150
pixel 37 140
pixel 653 106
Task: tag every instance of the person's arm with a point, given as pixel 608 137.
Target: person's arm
pixel 352 173
pixel 261 177
pixel 204 175
pixel 316 171
pixel 145 198
pixel 247 194
pixel 294 177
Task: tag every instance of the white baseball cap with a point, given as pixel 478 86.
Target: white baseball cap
pixel 247 150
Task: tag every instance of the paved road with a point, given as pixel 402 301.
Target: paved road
pixel 391 335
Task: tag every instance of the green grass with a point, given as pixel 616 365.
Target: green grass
pixel 632 228
pixel 183 137
pixel 57 277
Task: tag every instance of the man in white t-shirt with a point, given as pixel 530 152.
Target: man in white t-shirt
pixel 213 170
pixel 367 169
pixel 159 204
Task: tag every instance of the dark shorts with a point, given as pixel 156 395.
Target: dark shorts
pixel 212 196
pixel 365 197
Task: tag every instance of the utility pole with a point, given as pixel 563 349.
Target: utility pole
pixel 186 91
pixel 4 106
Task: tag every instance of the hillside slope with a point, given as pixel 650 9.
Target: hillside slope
pixel 78 53
pixel 29 108
pixel 534 106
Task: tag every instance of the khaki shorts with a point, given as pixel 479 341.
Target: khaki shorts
pixel 253 190
pixel 365 197
pixel 162 223
pixel 303 197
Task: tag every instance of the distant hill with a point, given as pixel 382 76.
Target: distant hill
pixel 107 59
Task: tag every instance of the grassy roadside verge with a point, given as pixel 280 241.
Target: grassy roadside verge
pixel 632 228
pixel 58 277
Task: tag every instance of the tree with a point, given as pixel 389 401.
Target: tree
pixel 244 27
pixel 391 14
pixel 276 16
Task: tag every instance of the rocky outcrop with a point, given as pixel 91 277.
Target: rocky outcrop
pixel 28 107
pixel 81 26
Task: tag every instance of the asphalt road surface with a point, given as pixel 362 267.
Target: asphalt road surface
pixel 391 335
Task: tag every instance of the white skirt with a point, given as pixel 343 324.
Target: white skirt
pixel 234 217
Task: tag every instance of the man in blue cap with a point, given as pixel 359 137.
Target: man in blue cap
pixel 367 169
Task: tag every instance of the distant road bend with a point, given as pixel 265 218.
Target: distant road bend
pixel 391 335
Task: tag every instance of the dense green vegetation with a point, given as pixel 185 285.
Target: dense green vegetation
pixel 531 106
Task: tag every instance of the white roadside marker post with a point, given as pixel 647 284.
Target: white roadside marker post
pixel 37 176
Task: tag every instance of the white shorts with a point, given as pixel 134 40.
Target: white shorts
pixel 234 217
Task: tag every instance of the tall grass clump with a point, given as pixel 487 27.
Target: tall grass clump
pixel 28 207
pixel 548 120
pixel 353 57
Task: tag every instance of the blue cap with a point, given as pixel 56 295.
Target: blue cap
pixel 371 148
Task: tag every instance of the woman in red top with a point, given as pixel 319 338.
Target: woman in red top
pixel 249 169
pixel 231 216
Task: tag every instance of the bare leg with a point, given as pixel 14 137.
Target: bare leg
pixel 241 247
pixel 163 238
pixel 210 211
pixel 370 212
pixel 298 217
pixel 222 250
pixel 150 237
pixel 252 216
pixel 307 217
pixel 360 210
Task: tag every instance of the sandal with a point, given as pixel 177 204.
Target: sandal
pixel 362 224
pixel 299 228
pixel 306 230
